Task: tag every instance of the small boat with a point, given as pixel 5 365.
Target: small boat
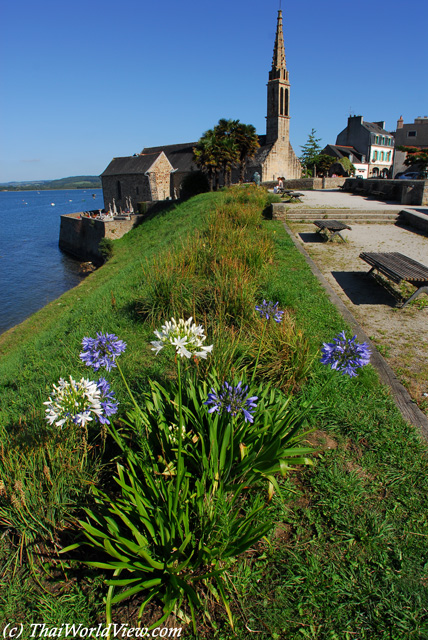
pixel 52 204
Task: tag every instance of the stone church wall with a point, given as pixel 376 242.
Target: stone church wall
pixel 160 179
pixel 136 187
pixel 281 162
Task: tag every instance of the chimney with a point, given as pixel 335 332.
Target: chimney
pixel 400 123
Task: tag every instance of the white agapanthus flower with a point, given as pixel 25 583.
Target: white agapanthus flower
pixel 74 402
pixel 185 335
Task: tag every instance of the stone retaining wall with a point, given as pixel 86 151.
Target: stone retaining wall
pixel 80 235
pixel 409 192
pixel 309 184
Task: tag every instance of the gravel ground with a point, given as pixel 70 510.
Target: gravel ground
pixel 400 334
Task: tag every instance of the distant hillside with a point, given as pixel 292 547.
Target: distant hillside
pixel 74 182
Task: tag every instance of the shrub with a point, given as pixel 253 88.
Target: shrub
pixel 106 248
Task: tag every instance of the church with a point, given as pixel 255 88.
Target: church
pixel 157 172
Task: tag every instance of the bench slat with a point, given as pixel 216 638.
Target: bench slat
pixel 397 266
pixel 332 225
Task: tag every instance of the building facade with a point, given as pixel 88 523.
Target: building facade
pixel 374 144
pixel 412 135
pixel 141 178
pixel 409 135
pixel 335 151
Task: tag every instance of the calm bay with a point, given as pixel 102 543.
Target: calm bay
pixel 33 270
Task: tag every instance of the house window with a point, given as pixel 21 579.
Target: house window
pixel 374 156
pixel 381 156
pixel 411 134
pixel 376 139
pixel 388 156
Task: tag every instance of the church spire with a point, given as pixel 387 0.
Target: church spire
pixel 278 103
pixel 278 61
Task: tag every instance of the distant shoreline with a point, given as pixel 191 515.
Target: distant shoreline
pixel 72 182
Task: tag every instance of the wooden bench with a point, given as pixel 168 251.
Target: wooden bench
pixel 331 227
pixel 290 193
pixel 398 267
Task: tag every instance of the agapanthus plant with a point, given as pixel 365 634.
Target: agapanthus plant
pixel 102 351
pixel 233 400
pixel 185 336
pixel 80 402
pixel 269 310
pixel 345 354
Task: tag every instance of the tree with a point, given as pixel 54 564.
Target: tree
pixel 347 166
pixel 230 144
pixel 323 163
pixel 311 151
pixel 416 156
pixel 247 141
pixel 206 155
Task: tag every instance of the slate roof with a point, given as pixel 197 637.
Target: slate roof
pixel 179 155
pixel 374 127
pixel 341 151
pixel 261 153
pixel 131 164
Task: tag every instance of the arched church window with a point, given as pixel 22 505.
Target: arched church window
pixel 286 103
pixel 281 108
pixel 119 190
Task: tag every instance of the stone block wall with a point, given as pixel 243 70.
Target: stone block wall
pixel 80 236
pixel 160 178
pixel 137 187
pixel 406 192
pixel 308 184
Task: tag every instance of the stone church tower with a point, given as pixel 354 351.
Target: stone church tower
pixel 157 172
pixel 281 159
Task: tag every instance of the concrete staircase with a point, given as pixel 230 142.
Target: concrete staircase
pixel 378 216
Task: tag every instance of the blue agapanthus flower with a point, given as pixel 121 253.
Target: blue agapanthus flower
pixel 232 399
pixel 270 310
pixel 102 351
pixel 345 354
pixel 107 401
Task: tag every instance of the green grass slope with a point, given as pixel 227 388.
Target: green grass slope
pixel 348 557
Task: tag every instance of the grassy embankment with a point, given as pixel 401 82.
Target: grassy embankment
pixel 348 557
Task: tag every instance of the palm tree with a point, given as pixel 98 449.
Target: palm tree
pixel 245 138
pixel 230 144
pixel 206 155
pixel 247 141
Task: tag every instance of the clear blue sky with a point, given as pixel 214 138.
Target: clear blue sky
pixel 83 82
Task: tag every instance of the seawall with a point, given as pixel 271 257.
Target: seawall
pixel 80 235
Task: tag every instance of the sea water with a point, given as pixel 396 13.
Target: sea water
pixel 33 270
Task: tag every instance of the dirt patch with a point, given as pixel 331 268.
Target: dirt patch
pixel 321 441
pixel 400 335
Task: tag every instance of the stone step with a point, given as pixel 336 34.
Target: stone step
pixel 350 216
pixel 283 212
pixel 348 221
